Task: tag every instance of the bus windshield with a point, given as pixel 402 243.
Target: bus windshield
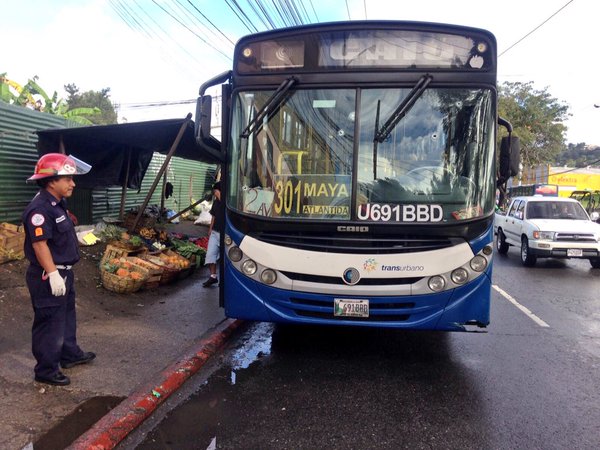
pixel 317 157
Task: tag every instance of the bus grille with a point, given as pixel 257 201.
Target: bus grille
pixel 356 245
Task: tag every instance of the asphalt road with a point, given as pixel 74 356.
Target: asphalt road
pixel 530 381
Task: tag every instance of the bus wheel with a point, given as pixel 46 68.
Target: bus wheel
pixel 527 258
pixel 501 244
pixel 595 262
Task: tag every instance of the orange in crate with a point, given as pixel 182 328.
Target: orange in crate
pixel 155 272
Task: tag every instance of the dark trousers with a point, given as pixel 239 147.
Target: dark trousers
pixel 54 331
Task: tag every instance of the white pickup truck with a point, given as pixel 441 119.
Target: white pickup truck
pixel 548 227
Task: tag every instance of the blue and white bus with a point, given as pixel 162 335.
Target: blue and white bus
pixel 359 174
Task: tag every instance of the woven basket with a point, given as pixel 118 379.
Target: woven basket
pixel 123 285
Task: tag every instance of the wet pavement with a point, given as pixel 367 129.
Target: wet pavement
pixel 519 385
pixel 134 336
pixel 76 423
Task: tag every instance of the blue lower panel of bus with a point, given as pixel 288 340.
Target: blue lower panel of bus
pixel 448 310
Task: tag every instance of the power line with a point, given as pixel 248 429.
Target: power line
pixel 152 104
pixel 262 14
pixel 348 10
pixel 209 34
pixel 314 10
pixel 237 10
pixel 191 31
pixel 576 168
pixel 303 6
pixel 534 30
pixel 209 21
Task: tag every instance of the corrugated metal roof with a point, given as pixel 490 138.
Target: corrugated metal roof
pixel 18 155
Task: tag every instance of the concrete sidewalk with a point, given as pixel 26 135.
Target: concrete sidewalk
pixel 135 336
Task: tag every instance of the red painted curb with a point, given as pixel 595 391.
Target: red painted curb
pixel 131 412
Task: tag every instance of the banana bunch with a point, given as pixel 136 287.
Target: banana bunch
pixel 147 233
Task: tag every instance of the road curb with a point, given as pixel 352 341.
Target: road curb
pixel 131 412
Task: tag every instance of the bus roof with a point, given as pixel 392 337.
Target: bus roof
pixel 367 24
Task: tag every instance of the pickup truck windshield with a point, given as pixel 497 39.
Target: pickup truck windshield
pixel 313 158
pixel 555 210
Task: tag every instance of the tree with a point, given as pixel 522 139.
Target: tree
pixel 579 155
pixel 537 119
pixel 52 105
pixel 13 93
pixel 93 99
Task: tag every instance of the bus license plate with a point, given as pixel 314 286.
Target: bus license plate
pixel 574 252
pixel 351 308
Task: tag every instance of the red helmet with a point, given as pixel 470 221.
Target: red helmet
pixel 57 164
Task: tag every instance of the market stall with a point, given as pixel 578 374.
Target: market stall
pixel 141 253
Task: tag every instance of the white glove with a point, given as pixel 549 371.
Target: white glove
pixel 57 284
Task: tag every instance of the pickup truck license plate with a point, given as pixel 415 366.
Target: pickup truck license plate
pixel 351 308
pixel 574 252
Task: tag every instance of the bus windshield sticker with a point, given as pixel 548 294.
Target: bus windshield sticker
pixel 323 103
pixel 421 213
pixel 312 196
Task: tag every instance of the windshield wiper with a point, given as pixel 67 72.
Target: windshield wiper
pixel 403 108
pixel 269 108
pixel 375 140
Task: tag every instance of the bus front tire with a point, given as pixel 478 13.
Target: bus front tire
pixel 595 262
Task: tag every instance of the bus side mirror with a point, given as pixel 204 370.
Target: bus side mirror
pixel 510 156
pixel 203 116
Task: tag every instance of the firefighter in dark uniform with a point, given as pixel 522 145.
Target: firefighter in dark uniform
pixel 52 248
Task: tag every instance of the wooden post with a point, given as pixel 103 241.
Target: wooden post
pixel 161 171
pixel 124 187
pixel 162 195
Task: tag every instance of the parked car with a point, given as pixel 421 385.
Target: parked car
pixel 548 227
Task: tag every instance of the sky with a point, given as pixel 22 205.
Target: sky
pixel 161 55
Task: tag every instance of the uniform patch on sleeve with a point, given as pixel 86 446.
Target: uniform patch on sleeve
pixel 39 231
pixel 37 220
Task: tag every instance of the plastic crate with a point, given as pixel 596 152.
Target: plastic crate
pixel 155 272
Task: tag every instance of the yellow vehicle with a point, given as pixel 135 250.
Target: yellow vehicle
pixel 589 199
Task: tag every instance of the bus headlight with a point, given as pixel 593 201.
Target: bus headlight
pixel 249 267
pixel 459 276
pixel 436 283
pixel 268 276
pixel 478 263
pixel 227 240
pixel 235 254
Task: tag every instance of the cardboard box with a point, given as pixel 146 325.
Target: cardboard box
pixel 12 238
